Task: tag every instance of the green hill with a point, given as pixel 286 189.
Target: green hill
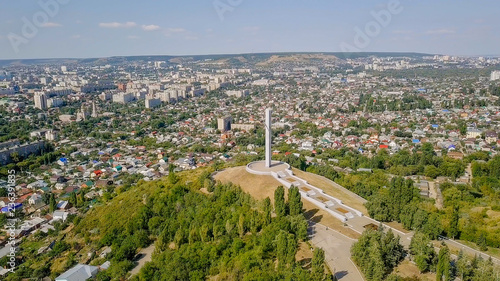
pixel 221 234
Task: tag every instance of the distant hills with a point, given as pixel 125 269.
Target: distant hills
pixel 257 58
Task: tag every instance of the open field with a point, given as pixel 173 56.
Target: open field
pixel 259 187
pixel 304 255
pixel 408 269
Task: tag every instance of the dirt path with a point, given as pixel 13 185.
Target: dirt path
pixel 144 256
pixel 436 194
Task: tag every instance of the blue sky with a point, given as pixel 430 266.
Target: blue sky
pixel 92 28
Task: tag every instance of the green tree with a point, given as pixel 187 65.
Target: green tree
pixel 267 211
pixel 376 268
pixel 453 230
pixel 16 158
pixel 464 266
pixel 126 250
pixel 72 199
pixel 52 203
pixel 291 249
pixel 281 248
pixel 294 201
pixel 317 263
pixel 172 177
pixel 422 251
pixel 241 225
pixel 443 270
pixel 209 185
pixel 377 253
pixel 279 201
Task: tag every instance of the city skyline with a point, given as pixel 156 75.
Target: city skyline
pixel 125 28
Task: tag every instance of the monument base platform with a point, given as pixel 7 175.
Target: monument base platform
pixel 259 167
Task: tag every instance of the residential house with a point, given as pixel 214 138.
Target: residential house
pixel 35 199
pixel 473 132
pixel 79 272
pixel 37 184
pixel 91 195
pixel 491 137
pixel 63 205
pixel 59 215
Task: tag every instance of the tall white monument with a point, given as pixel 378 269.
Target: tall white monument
pixel 269 112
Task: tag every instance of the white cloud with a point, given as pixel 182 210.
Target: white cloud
pixel 151 27
pixel 51 24
pixel 191 37
pixel 117 24
pixel 174 30
pixel 441 31
pixel 402 32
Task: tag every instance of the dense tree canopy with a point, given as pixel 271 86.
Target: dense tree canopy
pixel 377 253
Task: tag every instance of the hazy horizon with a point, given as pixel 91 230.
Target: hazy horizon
pixel 91 29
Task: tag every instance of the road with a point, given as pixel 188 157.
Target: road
pixel 337 249
pixel 436 194
pixel 468 250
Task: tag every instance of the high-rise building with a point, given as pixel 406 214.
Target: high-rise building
pixel 40 100
pixel 224 124
pixel 123 97
pixel 51 135
pixel 495 75
pixel 164 96
pixel 152 102
pixel 105 96
pixel 54 102
pixel 238 94
pixel 64 69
